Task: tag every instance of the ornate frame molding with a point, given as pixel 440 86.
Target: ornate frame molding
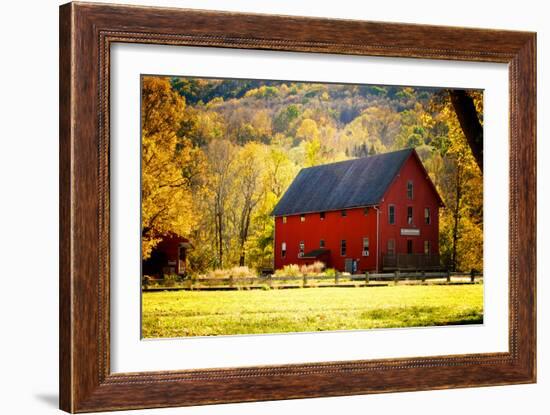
pixel 86 33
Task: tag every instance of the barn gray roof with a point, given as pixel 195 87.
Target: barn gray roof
pixel 341 185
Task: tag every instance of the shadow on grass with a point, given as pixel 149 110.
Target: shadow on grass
pixel 462 322
pixel 421 316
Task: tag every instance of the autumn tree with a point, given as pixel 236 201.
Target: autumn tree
pixel 382 123
pixel 356 139
pixel 166 188
pixel 285 118
pixel 201 126
pixel 221 155
pixel 308 130
pixel 248 174
pixel 461 186
pixel 277 173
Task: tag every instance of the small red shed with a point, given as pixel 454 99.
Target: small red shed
pixel 369 214
pixel 169 257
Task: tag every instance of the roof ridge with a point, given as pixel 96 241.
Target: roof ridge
pixel 342 185
pixel 409 149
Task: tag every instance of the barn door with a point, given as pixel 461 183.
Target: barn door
pixel 349 265
pixel 181 259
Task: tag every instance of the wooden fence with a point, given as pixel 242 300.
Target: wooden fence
pixel 409 262
pixel 338 280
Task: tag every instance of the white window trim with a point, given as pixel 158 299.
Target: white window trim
pixel 366 252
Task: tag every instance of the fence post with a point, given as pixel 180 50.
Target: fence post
pixel 270 280
pixel 231 281
pixel 304 282
pixel 396 277
pixel 423 276
pixel 336 277
pixel 448 276
pixel 366 277
pixel 472 275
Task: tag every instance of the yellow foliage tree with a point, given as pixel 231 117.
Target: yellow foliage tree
pixel 169 164
pixel 308 130
pixel 461 184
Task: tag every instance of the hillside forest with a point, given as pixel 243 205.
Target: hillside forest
pixel 218 154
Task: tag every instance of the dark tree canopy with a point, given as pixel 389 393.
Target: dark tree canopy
pixel 466 113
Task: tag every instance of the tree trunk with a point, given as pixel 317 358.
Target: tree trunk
pixel 245 225
pixel 466 113
pixel 456 217
pixel 220 238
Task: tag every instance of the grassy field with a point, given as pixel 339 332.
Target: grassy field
pixel 209 313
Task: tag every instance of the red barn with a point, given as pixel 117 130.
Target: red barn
pixel 169 257
pixel 369 214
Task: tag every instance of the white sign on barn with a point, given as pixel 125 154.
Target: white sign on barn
pixel 410 232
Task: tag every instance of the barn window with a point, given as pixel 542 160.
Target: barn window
pixel 322 243
pixel 322 215
pixel 365 246
pixel 391 246
pixel 343 247
pixel 302 249
pixel 344 213
pixel 283 250
pixel 410 190
pixel 302 218
pixel 409 246
pixel 427 218
pixel 427 248
pixel 391 214
pixel 410 215
pixel 284 219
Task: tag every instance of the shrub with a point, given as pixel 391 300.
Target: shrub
pixel 317 267
pixel 217 273
pixel 171 280
pixel 235 272
pixel 294 270
pixel 147 280
pixel 291 270
pixel 305 269
pixel 312 269
pixel 330 272
pixel 242 272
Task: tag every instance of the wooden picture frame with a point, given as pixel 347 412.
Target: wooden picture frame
pixel 86 33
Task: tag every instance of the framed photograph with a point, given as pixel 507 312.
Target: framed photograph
pixel 258 207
